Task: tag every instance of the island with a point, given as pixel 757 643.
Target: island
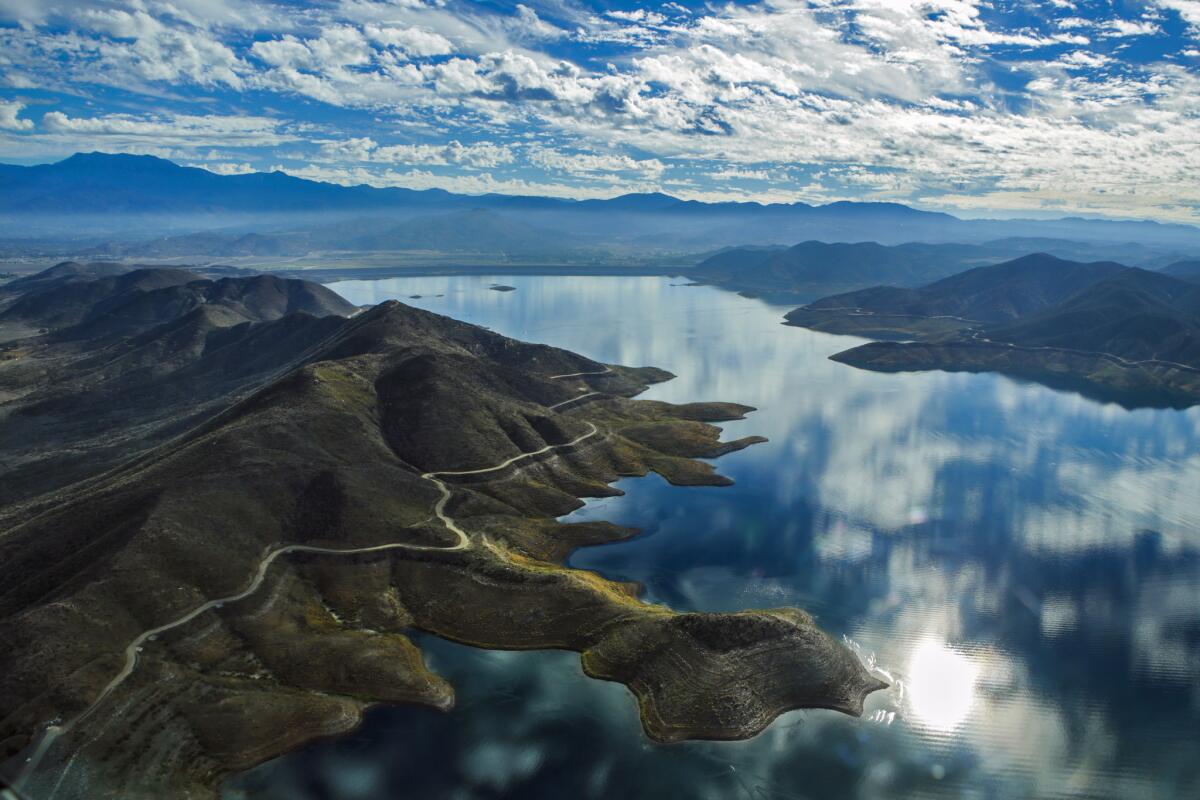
pixel 229 502
pixel 1116 333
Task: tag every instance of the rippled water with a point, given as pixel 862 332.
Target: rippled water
pixel 1023 561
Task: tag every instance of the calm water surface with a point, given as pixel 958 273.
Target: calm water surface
pixel 1023 561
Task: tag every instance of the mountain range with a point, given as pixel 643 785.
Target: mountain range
pixel 120 188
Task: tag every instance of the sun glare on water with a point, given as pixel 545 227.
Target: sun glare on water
pixel 941 685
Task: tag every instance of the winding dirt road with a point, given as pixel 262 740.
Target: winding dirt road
pixel 977 336
pixel 605 371
pixel 132 652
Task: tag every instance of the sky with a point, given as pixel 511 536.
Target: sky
pixel 1002 108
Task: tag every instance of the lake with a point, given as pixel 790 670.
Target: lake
pixel 1024 562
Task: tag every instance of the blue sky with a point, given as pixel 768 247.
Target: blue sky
pixel 977 108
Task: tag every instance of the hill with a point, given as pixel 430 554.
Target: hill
pixel 1136 315
pixel 994 293
pixel 275 506
pixel 1123 334
pixel 127 349
pixel 63 299
pixel 1185 270
pixel 62 274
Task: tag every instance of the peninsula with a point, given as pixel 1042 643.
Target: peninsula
pixel 1114 332
pixel 231 501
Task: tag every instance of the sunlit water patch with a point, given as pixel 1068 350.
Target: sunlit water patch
pixel 1021 561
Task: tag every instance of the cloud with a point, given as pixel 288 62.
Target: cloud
pixel 365 149
pixel 226 168
pixel 9 119
pixel 529 24
pixel 335 49
pixel 639 15
pixel 732 174
pixel 1125 27
pixel 414 42
pixel 154 50
pixel 1079 59
pixel 577 163
pixel 1188 11
pixel 1072 23
pixel 936 101
pixel 477 183
pixel 180 131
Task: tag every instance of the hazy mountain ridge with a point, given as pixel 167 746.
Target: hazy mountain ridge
pixel 1186 270
pixel 125 186
pixel 136 184
pixel 816 268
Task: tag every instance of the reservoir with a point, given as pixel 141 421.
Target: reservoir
pixel 1024 563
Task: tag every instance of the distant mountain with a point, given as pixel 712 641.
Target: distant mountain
pixel 482 231
pixel 204 243
pixel 1118 333
pixel 817 268
pixel 1185 270
pixel 655 201
pixel 475 230
pixel 122 185
pixel 104 183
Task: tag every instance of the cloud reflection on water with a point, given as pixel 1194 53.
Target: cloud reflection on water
pixel 1024 559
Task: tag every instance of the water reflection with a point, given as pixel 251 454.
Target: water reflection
pixel 940 686
pixel 1023 560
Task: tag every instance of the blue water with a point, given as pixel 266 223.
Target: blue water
pixel 1025 563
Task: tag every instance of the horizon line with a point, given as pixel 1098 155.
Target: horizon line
pixel 660 193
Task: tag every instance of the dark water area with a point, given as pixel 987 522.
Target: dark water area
pixel 1024 562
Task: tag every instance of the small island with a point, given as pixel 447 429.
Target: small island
pixel 500 287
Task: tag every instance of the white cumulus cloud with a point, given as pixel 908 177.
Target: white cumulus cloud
pixel 9 116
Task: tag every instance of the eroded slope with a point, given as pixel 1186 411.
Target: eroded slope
pixel 406 475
